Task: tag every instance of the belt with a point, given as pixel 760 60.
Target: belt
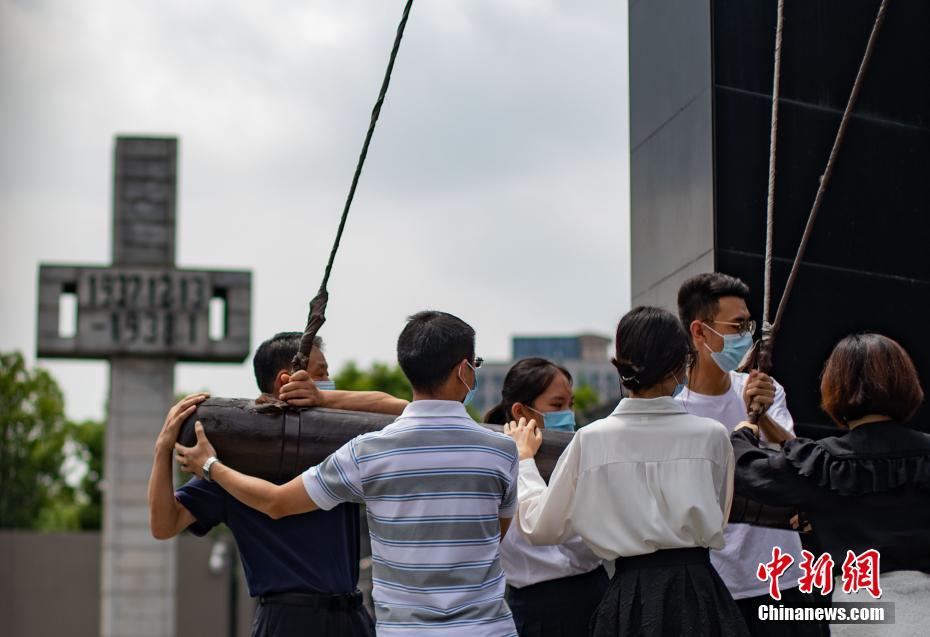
pixel 665 557
pixel 346 601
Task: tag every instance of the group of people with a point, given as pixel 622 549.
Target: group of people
pixel 645 492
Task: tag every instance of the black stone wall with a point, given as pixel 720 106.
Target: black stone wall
pixel 867 267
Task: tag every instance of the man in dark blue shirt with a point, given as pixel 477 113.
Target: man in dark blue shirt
pixel 303 568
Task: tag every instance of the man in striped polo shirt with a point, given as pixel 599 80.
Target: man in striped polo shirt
pixel 440 491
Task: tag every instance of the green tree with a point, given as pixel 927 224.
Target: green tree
pixel 32 437
pixel 35 441
pixel 80 507
pixel 585 398
pixel 379 377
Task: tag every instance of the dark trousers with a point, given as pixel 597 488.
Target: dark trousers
pixel 749 607
pixel 560 607
pixel 295 615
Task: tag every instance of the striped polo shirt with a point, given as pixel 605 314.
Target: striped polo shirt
pixel 435 483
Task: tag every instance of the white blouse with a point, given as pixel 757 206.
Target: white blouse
pixel 525 564
pixel 648 477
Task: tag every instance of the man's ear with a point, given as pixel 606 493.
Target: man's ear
pixel 282 379
pixel 696 330
pixel 461 370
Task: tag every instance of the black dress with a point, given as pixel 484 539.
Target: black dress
pixel 867 489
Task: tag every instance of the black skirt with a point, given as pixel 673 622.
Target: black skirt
pixel 667 593
pixel 558 608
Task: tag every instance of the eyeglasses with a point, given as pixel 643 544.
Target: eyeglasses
pixel 747 326
pixel 474 365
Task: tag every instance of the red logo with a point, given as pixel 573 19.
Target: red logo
pixel 817 574
pixel 771 571
pixel 861 572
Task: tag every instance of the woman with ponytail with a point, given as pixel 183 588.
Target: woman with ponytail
pixel 649 486
pixel 552 590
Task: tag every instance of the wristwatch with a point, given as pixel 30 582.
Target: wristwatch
pixel 206 467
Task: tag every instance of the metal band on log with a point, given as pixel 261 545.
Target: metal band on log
pixel 278 444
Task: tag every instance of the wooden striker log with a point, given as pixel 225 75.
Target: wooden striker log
pixel 277 445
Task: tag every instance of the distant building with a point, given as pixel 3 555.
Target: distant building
pixel 584 347
pixel 585 356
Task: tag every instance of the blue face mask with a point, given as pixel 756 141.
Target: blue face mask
pixel 680 387
pixel 557 420
pixel 326 385
pixel 734 349
pixel 470 396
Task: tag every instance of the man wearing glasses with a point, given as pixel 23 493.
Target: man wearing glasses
pixel 712 307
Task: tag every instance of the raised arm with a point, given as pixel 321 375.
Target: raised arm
pixel 544 510
pixel 301 392
pixel 168 517
pixel 275 501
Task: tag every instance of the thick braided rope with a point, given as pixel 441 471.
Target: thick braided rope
pixel 831 160
pixel 317 314
pixel 769 330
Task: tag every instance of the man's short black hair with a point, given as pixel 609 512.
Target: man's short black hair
pixel 699 296
pixel 274 355
pixel 430 345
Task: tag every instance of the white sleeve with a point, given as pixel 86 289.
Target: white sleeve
pixel 726 486
pixel 778 412
pixel 545 511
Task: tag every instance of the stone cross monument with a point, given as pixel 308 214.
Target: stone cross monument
pixel 143 315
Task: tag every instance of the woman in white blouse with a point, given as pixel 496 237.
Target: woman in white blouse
pixel 649 486
pixel 552 590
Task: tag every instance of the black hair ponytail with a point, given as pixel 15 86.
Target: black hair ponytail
pixel 651 344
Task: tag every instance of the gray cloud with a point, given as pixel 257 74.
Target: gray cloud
pixel 496 187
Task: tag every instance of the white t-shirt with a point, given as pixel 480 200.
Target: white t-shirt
pixel 747 546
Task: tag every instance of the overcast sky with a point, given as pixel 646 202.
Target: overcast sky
pixel 496 187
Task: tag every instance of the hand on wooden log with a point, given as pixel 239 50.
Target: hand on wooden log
pixel 177 415
pixel 300 391
pixel 192 459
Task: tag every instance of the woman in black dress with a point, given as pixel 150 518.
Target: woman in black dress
pixel 649 486
pixel 868 488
